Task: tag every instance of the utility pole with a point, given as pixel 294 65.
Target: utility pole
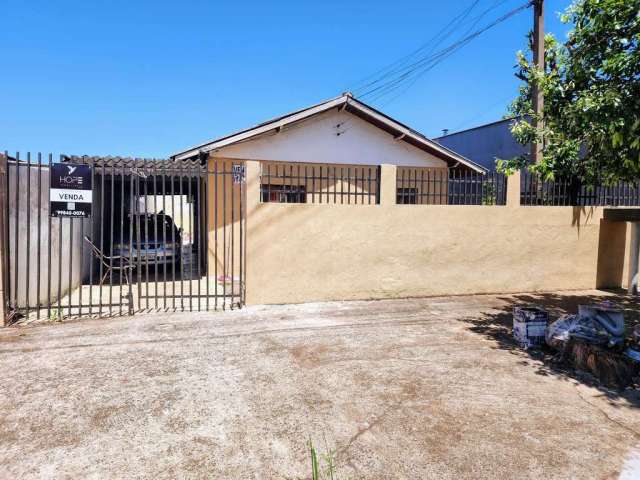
pixel 538 62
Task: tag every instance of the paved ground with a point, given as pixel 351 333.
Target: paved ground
pixel 428 388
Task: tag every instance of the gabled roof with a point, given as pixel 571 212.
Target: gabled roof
pixel 344 102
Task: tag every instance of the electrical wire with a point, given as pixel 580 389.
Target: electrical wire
pixel 418 68
pixel 442 35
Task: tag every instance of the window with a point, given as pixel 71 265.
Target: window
pixel 407 196
pixel 283 193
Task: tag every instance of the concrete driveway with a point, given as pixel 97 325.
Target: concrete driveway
pixel 428 388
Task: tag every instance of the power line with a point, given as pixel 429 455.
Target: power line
pixel 418 68
pixel 439 37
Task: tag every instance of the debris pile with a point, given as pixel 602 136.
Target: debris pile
pixel 592 340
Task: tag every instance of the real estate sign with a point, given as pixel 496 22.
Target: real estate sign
pixel 70 192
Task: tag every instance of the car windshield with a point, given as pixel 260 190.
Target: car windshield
pixel 153 227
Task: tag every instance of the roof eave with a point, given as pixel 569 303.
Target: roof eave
pixel 354 106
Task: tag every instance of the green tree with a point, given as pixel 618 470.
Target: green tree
pixel 591 85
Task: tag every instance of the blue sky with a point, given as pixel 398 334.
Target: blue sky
pixel 149 78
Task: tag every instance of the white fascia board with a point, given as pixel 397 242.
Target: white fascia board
pixel 406 132
pixel 262 129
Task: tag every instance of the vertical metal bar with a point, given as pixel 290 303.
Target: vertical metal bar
pixel 215 222
pixel 132 214
pixel 241 246
pixel 268 189
pixel 145 246
pixel 81 278
pixel 181 244
pixel 233 251
pixel 197 212
pixel 101 230
pixel 39 236
pixel 155 234
pixel 49 243
pixel 28 250
pixel 16 234
pixel 111 215
pixel 70 286
pixel 189 213
pixel 138 230
pixel 224 233
pixel 328 189
pixel 299 187
pixel 176 248
pixel 59 263
pixel 93 186
pixel 313 184
pixel 164 241
pixel 207 192
pixel 122 249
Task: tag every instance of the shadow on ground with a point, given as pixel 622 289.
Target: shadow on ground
pixel 496 324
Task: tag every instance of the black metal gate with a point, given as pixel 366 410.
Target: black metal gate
pixel 162 236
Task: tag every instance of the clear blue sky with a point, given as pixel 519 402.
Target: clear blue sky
pixel 148 78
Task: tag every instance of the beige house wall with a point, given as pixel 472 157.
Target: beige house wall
pixel 316 252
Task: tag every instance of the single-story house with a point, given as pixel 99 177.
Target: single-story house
pixel 343 131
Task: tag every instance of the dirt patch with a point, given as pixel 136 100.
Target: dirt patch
pixel 421 388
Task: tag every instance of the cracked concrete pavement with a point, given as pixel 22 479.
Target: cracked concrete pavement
pixel 418 388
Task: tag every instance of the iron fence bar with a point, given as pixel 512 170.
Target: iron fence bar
pixel 201 251
pixel 93 185
pixel 138 230
pixel 224 233
pixel 81 277
pixel 233 228
pixel 164 243
pixel 111 215
pixel 28 250
pixel 241 285
pixel 49 243
pixel 155 236
pixel 177 257
pixel 132 211
pixel 206 194
pixel 215 229
pixel 101 229
pixel 59 264
pixel 197 214
pixel 70 286
pixel 16 230
pixel 189 214
pixel 181 245
pixel 122 249
pixel 146 243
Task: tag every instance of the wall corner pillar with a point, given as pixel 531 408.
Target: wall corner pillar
pixel 513 190
pixel 634 258
pixel 387 184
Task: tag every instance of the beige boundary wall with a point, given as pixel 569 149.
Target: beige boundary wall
pixel 316 252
